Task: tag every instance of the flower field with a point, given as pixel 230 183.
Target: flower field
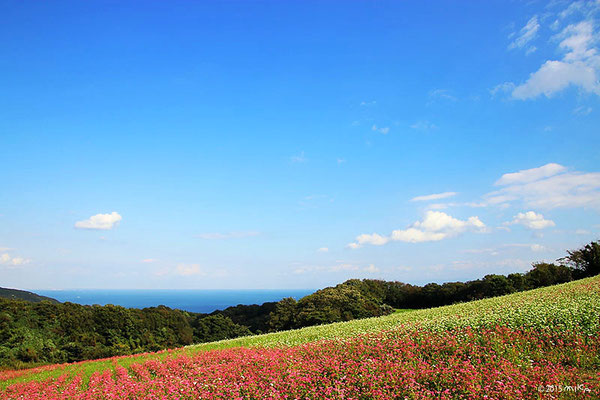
pixel 539 344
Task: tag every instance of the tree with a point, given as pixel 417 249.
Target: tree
pixel 546 274
pixel 284 315
pixel 584 261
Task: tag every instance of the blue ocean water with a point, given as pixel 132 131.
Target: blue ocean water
pixel 202 301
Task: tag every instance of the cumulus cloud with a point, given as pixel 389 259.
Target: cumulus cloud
pixel 526 35
pixel 227 235
pixel 100 221
pixel 434 227
pixel 436 196
pixel 531 220
pixel 549 186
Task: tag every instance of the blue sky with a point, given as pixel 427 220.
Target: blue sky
pixel 294 144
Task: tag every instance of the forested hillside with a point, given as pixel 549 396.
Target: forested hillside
pixel 15 294
pixel 46 332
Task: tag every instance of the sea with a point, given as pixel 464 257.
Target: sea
pixel 200 301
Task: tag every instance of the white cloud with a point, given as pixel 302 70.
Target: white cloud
pixel 322 249
pixel 530 175
pixel 442 94
pixel 227 235
pixel 436 196
pixel 100 221
pixel 7 259
pixel 526 35
pixel 502 88
pixel 579 66
pixel 549 186
pixel 435 226
pixel 149 260
pixel 374 239
pixel 368 103
pixel 555 76
pixel 413 235
pixel 531 220
pixel 384 130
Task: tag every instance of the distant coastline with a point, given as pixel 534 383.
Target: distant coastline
pixel 200 301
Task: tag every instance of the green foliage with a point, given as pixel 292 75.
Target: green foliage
pixel 570 306
pixel 254 316
pixel 350 300
pixel 39 333
pixel 584 261
pixel 217 327
pixel 15 294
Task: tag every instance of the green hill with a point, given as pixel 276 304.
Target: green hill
pixel 15 294
pixel 570 307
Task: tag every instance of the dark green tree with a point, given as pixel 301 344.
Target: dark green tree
pixel 584 261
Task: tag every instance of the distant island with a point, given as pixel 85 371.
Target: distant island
pixel 15 294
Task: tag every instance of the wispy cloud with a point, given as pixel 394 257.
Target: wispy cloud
pixel 442 94
pixel 549 186
pixel 579 65
pixel 384 129
pixel 322 249
pixel 530 175
pixel 298 158
pixel 100 221
pixel 582 111
pixel 423 126
pixel 526 35
pixel 436 196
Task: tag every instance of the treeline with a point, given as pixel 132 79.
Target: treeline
pixel 371 298
pixel 44 332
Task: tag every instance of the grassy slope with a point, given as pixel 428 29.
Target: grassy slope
pixel 574 305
